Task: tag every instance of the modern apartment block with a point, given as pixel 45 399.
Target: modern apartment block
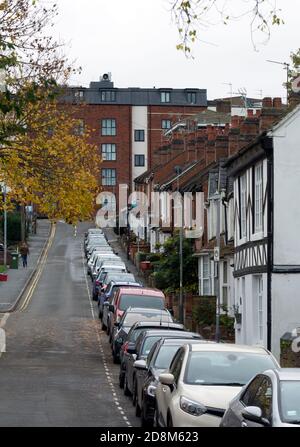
pixel 129 124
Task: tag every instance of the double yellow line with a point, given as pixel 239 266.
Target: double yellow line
pixel 39 271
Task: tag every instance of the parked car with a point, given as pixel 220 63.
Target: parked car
pixel 111 289
pixel 130 342
pixel 103 279
pixel 142 297
pixel 271 399
pixel 131 316
pixel 158 360
pixel 136 364
pixel 96 255
pixel 98 266
pixel 202 379
pixel 99 260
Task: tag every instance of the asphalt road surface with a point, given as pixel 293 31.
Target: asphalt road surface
pixel 57 369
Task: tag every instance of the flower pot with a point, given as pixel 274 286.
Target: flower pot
pixel 3 277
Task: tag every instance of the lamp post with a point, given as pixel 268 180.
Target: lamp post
pixel 178 171
pixel 5 228
pixel 217 268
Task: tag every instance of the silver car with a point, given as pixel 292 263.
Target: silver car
pixel 270 399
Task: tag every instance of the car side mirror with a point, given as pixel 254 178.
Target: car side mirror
pixel 140 364
pixel 111 308
pixel 167 379
pixel 254 414
pixel 131 348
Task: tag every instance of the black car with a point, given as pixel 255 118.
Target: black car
pixel 131 316
pixel 133 334
pixel 143 346
pixel 158 360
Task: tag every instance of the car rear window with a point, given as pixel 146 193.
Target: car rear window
pixel 134 317
pixel 155 302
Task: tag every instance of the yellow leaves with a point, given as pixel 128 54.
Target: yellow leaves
pixel 57 170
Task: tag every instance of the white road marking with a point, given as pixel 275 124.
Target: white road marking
pixel 103 357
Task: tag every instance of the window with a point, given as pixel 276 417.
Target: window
pixel 109 127
pixel 258 197
pixel 263 398
pixel 139 160
pixel 205 276
pixel 165 96
pixel 108 95
pixel 259 313
pixel 166 124
pixel 243 205
pixel 139 135
pixel 108 177
pixel 109 152
pixel 79 128
pixel 79 94
pixel 175 367
pixel 192 97
pixel 225 284
pixel 251 390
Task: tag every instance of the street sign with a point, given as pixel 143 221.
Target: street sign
pixel 216 254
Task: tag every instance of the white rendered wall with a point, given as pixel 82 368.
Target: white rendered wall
pixel 139 122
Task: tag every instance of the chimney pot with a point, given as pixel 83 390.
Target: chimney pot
pixel 267 102
pixel 277 103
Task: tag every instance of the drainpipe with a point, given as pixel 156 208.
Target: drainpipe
pixel 267 145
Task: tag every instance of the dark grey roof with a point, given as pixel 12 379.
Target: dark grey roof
pixel 135 96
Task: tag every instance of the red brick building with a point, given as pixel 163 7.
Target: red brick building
pixel 128 124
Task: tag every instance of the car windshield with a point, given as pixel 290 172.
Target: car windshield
pixel 155 302
pixel 134 317
pixel 225 368
pixel 290 401
pixel 122 276
pixel 148 343
pixel 165 356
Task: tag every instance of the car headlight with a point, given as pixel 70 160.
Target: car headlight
pixel 192 407
pixel 151 390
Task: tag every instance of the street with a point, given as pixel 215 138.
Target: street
pixel 57 369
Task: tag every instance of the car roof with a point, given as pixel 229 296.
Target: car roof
pixel 156 324
pixel 173 341
pixel 288 373
pixel 125 283
pixel 142 291
pixel 229 347
pixel 182 334
pixel 138 310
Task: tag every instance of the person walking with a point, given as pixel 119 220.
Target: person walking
pixel 24 251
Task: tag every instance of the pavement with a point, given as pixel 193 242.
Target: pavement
pixel 57 370
pixel 17 278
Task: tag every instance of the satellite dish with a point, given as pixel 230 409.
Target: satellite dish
pixel 296 84
pixel 105 77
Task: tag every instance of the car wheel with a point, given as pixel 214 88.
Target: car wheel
pixel 103 327
pixel 100 315
pixel 126 389
pixel 155 418
pixel 95 297
pixel 107 330
pixel 169 421
pixel 137 409
pixel 147 423
pixel 134 392
pixel 121 380
pixel 115 357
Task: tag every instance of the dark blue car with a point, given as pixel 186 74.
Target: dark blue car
pixel 111 287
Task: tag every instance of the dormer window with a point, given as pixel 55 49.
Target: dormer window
pixel 108 95
pixel 165 96
pixel 191 97
pixel 79 94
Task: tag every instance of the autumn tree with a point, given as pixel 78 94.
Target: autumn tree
pixel 52 164
pixel 29 59
pixel 192 17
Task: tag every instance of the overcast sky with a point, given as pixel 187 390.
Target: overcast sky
pixel 136 41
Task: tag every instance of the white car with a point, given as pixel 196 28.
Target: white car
pixel 202 379
pixel 271 399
